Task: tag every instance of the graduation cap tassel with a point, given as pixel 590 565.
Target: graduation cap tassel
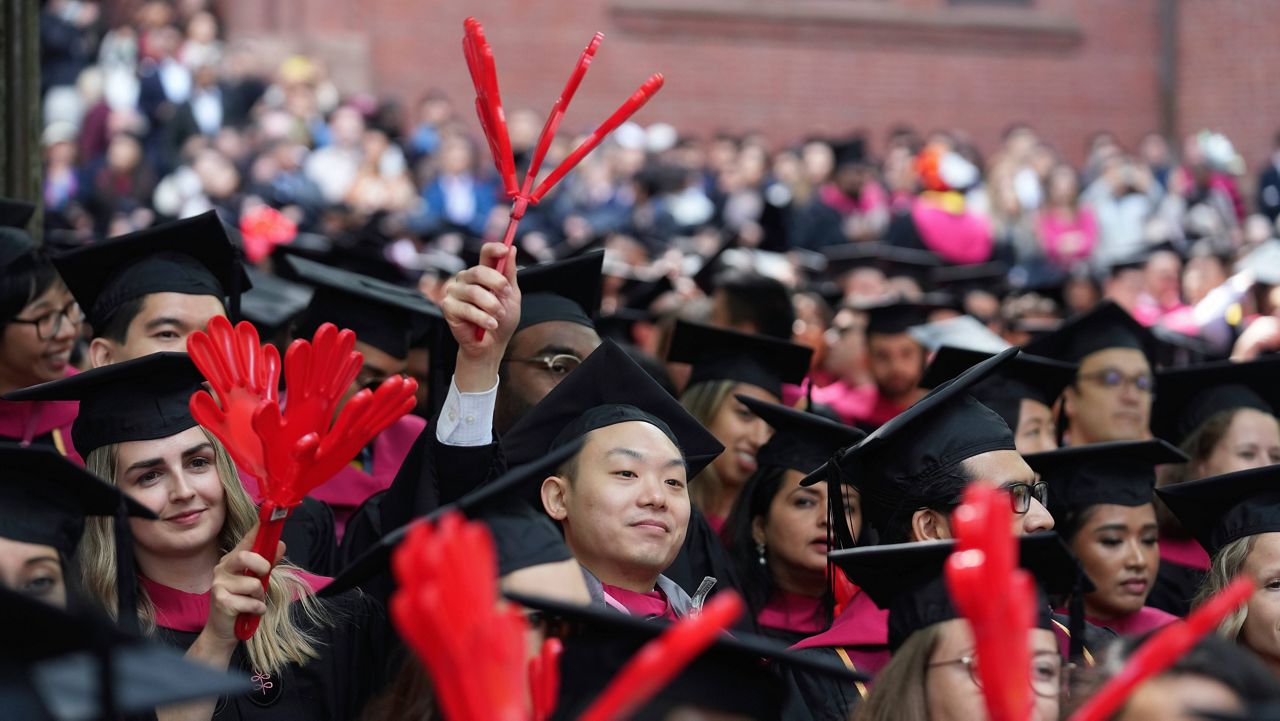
pixel 484 77
pixel 126 573
pixel 1075 623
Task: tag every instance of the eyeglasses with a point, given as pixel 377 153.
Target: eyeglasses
pixel 561 364
pixel 1111 378
pixel 1020 495
pixel 48 325
pixel 1046 672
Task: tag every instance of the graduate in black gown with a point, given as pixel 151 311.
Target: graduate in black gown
pixel 310 658
pixel 1222 415
pixel 778 531
pixel 145 292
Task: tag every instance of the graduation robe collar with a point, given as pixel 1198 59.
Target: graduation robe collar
pixel 861 624
pixel 25 421
pixel 187 612
pixel 792 612
pixel 1184 552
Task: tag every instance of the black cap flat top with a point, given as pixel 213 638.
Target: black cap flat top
pixel 45 498
pixel 137 400
pixel 567 290
pixel 1188 396
pixel 720 354
pixel 193 256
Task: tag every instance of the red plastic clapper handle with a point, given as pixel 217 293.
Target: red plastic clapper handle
pixel 271 520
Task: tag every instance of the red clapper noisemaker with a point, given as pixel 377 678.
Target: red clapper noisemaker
pixel 446 609
pixel 294 451
pixel 1164 648
pixel 997 597
pixel 493 122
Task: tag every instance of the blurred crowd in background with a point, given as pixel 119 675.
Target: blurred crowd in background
pixel 159 116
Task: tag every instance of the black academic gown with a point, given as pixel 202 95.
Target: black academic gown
pixel 355 649
pixel 309 538
pixel 814 697
pixel 1175 587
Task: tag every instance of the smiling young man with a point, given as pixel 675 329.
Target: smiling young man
pixel 1110 398
pixel 145 292
pixel 623 500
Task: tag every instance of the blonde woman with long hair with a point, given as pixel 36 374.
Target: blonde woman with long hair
pixel 725 364
pixel 310 658
pixel 1236 517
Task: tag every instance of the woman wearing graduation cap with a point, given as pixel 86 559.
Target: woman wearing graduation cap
pixel 309 658
pixel 932 676
pixel 778 533
pixel 1236 518
pixel 1222 415
pixel 39 325
pixel 1100 497
pixel 726 364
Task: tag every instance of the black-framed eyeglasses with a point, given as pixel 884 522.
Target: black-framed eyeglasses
pixel 48 325
pixel 1020 495
pixel 1111 378
pixel 561 364
pixel 1047 677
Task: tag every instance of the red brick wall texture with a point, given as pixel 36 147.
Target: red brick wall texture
pixel 792 67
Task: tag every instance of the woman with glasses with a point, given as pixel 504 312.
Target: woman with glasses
pixel 40 323
pixel 778 532
pixel 1222 415
pixel 1100 497
pixel 933 674
pixel 726 364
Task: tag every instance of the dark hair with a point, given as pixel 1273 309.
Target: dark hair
pixel 116 325
pixel 1068 522
pixel 942 493
pixel 23 281
pixel 755 583
pixel 759 300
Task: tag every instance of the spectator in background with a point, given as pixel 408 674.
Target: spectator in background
pixel 458 198
pixel 1122 198
pixel 66 41
pixel 334 166
pixel 1068 231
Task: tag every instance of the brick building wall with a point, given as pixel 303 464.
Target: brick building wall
pixel 791 67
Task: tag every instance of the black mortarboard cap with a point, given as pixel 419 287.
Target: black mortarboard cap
pixel 137 400
pixel 1106 325
pixel 891 260
pixel 194 256
pixel 64 657
pixel 44 498
pixel 14 244
pixel 608 388
pixel 16 213
pixel 720 354
pixel 640 295
pixel 801 441
pixel 1190 395
pixel 893 467
pixel 380 313
pixel 520 482
pixel 991 277
pixel 1120 473
pixel 960 331
pixel 273 302
pixel 1226 508
pixel 567 290
pixel 896 316
pixel 735 675
pixel 708 272
pixel 907 579
pixel 1026 376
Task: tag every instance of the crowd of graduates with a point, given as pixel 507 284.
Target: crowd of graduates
pixel 706 367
